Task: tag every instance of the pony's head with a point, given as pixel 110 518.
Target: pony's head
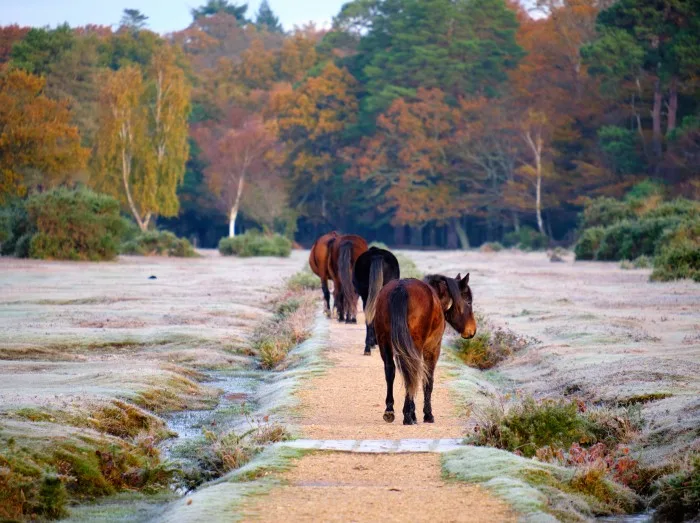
pixel 456 299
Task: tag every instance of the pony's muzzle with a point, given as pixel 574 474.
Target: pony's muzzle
pixel 469 333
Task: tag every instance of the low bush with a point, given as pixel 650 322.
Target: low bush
pixel 678 261
pixel 408 267
pixel 253 243
pixel 15 229
pixel 530 425
pixel 603 212
pixel 527 239
pixel 679 253
pixel 158 243
pixel 487 349
pixel 628 239
pixel 303 280
pixel 588 243
pixel 677 495
pixel 64 224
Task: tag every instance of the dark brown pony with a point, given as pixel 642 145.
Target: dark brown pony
pixel 344 251
pixel 409 323
pixel 373 269
pixel 318 261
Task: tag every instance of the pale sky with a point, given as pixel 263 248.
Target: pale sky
pixel 164 15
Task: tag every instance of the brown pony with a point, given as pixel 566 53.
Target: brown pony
pixel 318 261
pixel 409 322
pixel 344 251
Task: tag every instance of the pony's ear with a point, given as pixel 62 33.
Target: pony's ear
pixel 459 276
pixel 463 282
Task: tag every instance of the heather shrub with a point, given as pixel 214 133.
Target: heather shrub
pixel 67 224
pixel 159 243
pixel 253 243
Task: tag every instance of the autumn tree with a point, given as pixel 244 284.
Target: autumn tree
pixel 9 35
pixel 36 136
pixel 234 150
pixel 311 120
pixel 407 160
pixel 142 139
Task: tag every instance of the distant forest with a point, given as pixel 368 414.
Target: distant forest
pixel 430 123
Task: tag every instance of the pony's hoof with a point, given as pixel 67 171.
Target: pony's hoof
pixel 341 320
pixel 429 419
pixel 354 320
pixel 389 416
pixel 409 421
pixel 367 352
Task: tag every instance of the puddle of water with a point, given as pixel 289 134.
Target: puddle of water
pixel 189 424
pixel 643 517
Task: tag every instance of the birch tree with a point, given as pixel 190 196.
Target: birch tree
pixel 234 149
pixel 142 138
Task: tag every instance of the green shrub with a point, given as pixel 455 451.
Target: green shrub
pixel 643 262
pixel 588 243
pixel 603 212
pixel 680 260
pixel 159 243
pixel 681 207
pixel 303 280
pixel 72 225
pixel 527 239
pixel 408 267
pixel 15 229
pixel 530 425
pixel 253 243
pixel 629 239
pixel 678 495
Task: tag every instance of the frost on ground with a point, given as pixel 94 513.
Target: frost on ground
pixel 606 336
pixel 78 338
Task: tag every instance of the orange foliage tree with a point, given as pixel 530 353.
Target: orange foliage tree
pixel 310 122
pixel 35 135
pixel 407 159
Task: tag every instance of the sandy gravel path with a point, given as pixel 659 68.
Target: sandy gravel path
pixel 347 402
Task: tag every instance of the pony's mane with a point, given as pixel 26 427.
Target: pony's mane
pixel 452 288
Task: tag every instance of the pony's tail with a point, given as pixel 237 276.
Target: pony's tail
pixel 408 359
pixel 345 269
pixel 376 282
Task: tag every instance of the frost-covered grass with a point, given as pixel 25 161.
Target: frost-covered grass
pixel 539 491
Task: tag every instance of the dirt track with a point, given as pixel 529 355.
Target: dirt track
pixel 347 402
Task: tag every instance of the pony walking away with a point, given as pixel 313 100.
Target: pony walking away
pixel 318 261
pixel 344 252
pixel 409 322
pixel 373 269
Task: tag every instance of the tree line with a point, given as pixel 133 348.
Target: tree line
pixel 424 122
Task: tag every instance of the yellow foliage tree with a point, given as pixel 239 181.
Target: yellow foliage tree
pixel 142 139
pixel 35 135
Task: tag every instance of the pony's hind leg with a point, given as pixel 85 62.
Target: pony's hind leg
pixel 389 375
pixel 427 393
pixel 326 296
pixel 370 339
pixel 409 411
